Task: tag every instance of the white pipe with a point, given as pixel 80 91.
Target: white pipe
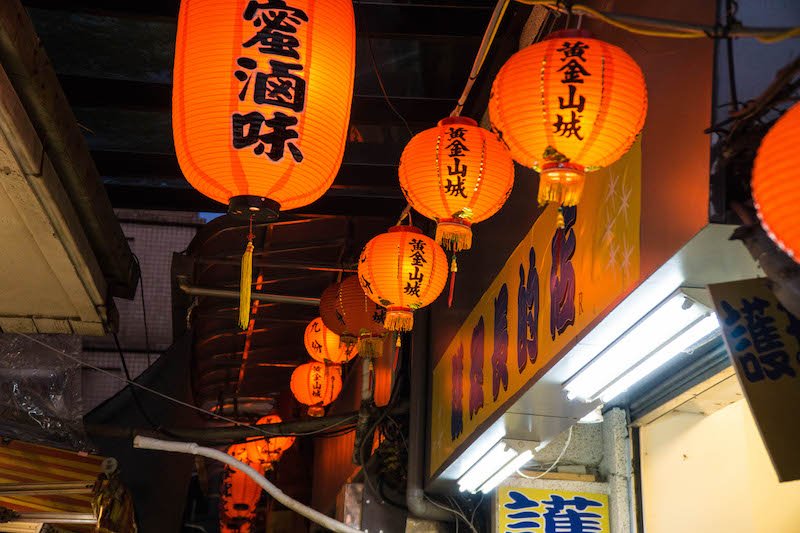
pixel 193 449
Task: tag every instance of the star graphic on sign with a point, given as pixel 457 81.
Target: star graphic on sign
pixel 611 192
pixel 627 251
pixel 625 201
pixel 613 251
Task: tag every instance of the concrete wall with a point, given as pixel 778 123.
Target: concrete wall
pixel 712 473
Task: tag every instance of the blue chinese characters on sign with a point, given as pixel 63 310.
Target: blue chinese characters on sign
pixel 552 514
pixel 761 353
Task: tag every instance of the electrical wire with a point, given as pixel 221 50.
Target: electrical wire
pixel 180 402
pixel 552 466
pixel 144 310
pixel 670 29
pixel 454 512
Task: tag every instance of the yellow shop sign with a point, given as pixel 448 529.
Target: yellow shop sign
pixel 556 282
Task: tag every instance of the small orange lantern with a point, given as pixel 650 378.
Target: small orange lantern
pixel 346 310
pixel 456 174
pixel 262 452
pixel 325 346
pixel 775 193
pixel 568 105
pixel 238 501
pixel 402 270
pixel 261 99
pixel 316 385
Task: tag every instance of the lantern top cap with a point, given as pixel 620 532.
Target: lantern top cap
pixel 465 121
pixel 409 229
pixel 570 34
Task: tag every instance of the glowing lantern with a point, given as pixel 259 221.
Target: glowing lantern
pixel 261 99
pixel 316 385
pixel 346 310
pixel 238 501
pixel 775 190
pixel 456 174
pixel 568 105
pixel 402 270
pixel 325 346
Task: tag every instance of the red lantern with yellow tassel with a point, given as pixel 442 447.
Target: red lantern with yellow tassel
pixel 325 346
pixel 457 174
pixel 402 270
pixel 239 140
pixel 568 105
pixel 316 385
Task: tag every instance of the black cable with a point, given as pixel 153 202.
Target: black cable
pixel 144 309
pixel 731 8
pixel 136 400
pixel 377 72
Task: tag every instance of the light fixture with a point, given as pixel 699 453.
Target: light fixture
pixel 502 460
pixel 674 326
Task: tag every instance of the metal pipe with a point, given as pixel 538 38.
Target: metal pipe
pixel 191 290
pixel 70 487
pixel 415 494
pixel 273 265
pixel 57 518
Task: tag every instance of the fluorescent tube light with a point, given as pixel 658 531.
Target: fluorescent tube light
pixel 660 357
pixel 506 471
pixel 652 336
pixel 486 467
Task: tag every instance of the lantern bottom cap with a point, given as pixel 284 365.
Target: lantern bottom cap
pixel 316 411
pixel 399 319
pixel 561 183
pixel 258 208
pixel 454 235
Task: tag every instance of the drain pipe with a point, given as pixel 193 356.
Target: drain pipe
pixel 193 449
pixel 191 290
pixel 415 495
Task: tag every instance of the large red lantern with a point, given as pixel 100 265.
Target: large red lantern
pixel 567 105
pixel 261 99
pixel 457 174
pixel 316 385
pixel 402 270
pixel 776 193
pixel 325 346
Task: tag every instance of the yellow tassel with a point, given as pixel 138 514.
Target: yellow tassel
pixel 370 346
pixel 245 286
pixel 560 219
pixel 399 320
pixel 454 236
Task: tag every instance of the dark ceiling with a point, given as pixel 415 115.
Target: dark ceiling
pixel 114 61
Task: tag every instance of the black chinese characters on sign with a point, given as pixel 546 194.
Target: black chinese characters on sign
pixel 270 77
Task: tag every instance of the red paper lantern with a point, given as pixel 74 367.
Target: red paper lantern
pixel 457 174
pixel 402 270
pixel 261 99
pixel 316 385
pixel 348 311
pixel 776 193
pixel 568 105
pixel 325 346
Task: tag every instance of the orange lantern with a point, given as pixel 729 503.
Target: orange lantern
pixel 456 174
pixel 261 99
pixel 262 452
pixel 238 501
pixel 568 105
pixel 402 270
pixel 325 346
pixel 316 385
pixel 775 193
pixel 346 310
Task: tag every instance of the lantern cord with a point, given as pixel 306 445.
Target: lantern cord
pixel 731 7
pixel 654 27
pixel 192 448
pixel 135 385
